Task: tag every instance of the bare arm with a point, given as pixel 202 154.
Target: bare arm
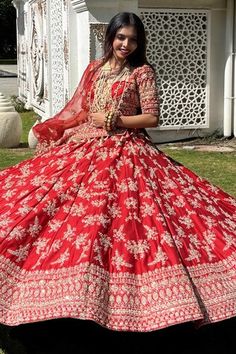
pixel 146 120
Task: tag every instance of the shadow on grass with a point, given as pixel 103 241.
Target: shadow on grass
pixel 69 336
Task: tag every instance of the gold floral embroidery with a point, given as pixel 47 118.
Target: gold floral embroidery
pixel 121 301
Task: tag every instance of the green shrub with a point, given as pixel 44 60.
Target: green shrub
pixel 18 104
pixel 8 61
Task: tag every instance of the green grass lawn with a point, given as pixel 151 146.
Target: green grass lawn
pixel 218 168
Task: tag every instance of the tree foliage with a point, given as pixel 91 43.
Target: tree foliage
pixel 7 29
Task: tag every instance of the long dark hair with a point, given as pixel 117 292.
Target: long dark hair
pixel 122 19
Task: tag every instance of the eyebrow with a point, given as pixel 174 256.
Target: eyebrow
pixel 121 34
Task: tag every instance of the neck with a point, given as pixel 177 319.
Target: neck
pixel 116 64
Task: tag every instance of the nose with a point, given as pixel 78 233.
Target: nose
pixel 126 42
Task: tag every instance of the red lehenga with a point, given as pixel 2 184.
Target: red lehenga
pixel 106 227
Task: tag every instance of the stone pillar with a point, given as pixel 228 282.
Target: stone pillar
pixel 22 49
pixel 229 69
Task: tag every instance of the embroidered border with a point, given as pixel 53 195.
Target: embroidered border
pixel 119 301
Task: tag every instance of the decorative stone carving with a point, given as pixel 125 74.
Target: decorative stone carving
pixel 22 64
pixel 97 36
pixel 99 30
pixel 79 5
pixel 10 124
pixel 37 50
pixel 66 50
pixel 177 48
pixel 45 51
pixel 58 40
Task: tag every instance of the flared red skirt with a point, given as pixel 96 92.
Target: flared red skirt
pixel 113 230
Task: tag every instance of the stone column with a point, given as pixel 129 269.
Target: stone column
pixel 22 49
pixel 229 69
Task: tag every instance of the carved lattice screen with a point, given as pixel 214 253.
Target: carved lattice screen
pixel 178 49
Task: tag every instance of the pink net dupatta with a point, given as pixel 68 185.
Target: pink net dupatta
pixel 73 114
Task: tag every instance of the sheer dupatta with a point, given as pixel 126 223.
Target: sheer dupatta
pixel 75 111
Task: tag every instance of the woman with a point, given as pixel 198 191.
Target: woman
pixel 101 225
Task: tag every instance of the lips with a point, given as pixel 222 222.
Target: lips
pixel 124 51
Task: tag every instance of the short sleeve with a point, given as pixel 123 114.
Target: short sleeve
pixel 147 90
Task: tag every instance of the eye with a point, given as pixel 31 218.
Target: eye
pixel 121 37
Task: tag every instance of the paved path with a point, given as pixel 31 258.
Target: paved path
pixel 9 67
pixel 8 80
pixel 207 144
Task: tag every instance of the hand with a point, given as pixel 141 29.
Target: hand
pixel 98 119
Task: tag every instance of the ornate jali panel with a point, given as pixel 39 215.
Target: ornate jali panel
pixel 178 49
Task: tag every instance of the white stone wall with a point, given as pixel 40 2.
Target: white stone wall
pixel 215 65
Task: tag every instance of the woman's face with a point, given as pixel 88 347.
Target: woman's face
pixel 125 42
